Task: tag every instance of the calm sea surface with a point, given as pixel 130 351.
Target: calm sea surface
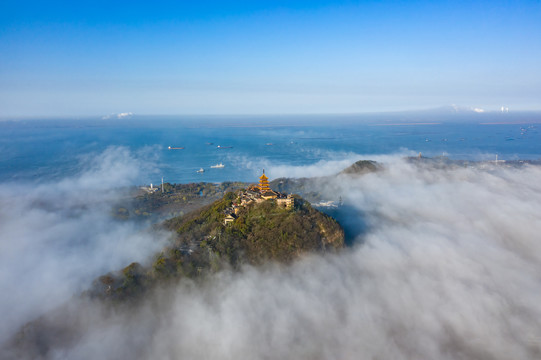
pixel 48 150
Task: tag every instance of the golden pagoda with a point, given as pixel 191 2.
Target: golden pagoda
pixel 263 183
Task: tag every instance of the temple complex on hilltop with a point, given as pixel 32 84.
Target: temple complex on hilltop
pixel 256 194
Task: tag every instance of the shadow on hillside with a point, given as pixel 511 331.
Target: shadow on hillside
pixel 352 221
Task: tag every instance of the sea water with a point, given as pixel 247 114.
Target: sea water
pixel 48 150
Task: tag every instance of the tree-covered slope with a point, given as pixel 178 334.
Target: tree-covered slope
pixel 262 232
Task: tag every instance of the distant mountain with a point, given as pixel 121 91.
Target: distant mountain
pixel 311 188
pixel 455 109
pixel 361 167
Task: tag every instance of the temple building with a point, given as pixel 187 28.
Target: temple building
pixel 287 201
pixel 256 194
pixel 264 183
pixel 230 218
pixel 264 188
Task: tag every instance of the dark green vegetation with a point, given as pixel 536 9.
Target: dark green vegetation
pixel 262 232
pixel 361 167
pixel 176 200
pixel 202 245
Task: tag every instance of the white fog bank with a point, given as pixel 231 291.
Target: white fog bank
pixel 56 238
pixel 450 268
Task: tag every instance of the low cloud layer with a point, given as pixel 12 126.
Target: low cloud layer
pixel 450 268
pixel 55 238
pixel 329 163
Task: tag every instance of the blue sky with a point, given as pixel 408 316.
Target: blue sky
pixel 265 57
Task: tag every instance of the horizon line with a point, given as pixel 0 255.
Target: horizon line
pixel 130 115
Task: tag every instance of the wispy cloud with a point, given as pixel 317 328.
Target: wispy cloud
pixel 326 163
pixel 56 237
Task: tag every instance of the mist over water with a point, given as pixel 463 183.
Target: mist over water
pixel 55 238
pixel 449 267
pixel 47 151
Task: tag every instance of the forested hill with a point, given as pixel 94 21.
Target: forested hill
pixel 202 245
pixel 262 232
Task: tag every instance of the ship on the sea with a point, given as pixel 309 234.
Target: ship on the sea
pixel 224 147
pixel 201 170
pixel 175 148
pixel 218 166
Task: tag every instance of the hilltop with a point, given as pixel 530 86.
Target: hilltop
pixel 361 167
pixel 202 244
pixel 313 188
pixel 245 226
pixel 181 199
pixel 261 232
pixel 175 200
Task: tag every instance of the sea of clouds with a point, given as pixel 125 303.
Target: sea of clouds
pixel 449 268
pixel 56 238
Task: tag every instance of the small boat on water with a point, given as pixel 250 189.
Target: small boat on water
pixel 175 148
pixel 224 147
pixel 218 166
pixel 201 170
